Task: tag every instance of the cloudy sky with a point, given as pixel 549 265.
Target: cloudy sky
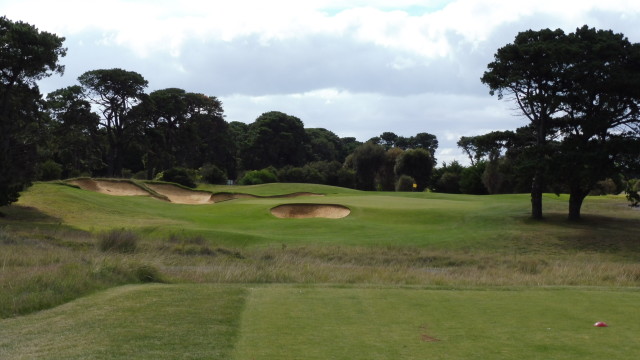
pixel 355 67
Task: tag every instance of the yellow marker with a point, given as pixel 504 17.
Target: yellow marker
pixel 415 185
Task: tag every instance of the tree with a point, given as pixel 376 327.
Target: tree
pixel 324 145
pixel 275 139
pixel 446 179
pixel 26 56
pixel 388 139
pixel 530 70
pixel 425 141
pixel 581 93
pixel 602 105
pixel 367 160
pixel 74 130
pixel 416 163
pixel 115 91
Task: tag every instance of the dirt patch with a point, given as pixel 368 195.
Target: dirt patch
pixel 110 187
pixel 302 211
pixel 178 195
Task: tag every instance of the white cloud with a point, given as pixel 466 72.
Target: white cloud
pixel 355 67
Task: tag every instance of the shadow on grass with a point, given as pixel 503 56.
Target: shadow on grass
pixel 593 233
pixel 18 213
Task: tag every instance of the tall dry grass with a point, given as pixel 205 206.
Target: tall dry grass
pixel 40 269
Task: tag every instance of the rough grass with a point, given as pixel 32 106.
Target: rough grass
pixel 48 251
pixel 131 322
pixel 49 255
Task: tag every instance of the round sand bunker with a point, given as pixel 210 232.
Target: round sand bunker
pixel 302 211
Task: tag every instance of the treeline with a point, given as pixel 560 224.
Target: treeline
pixel 583 130
pixel 107 126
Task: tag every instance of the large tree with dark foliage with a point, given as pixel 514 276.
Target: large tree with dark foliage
pixel 275 139
pixel 601 127
pixel 26 56
pixel 529 70
pixel 581 93
pixel 75 140
pixel 116 92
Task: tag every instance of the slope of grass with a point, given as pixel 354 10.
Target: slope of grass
pixel 347 323
pixel 377 219
pixel 131 322
pixel 321 322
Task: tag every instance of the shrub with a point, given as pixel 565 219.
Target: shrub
pixel 346 178
pixel 146 273
pixel 256 177
pixel 118 240
pixel 49 170
pixel 180 176
pixel 405 183
pixel 212 174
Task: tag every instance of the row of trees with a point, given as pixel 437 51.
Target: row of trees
pixel 579 92
pixel 108 125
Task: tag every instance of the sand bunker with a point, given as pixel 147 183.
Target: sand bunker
pixel 179 195
pixel 170 192
pixel 111 187
pixel 302 211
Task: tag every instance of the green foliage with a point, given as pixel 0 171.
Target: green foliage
pixel 256 177
pixel 211 174
pixel 115 92
pixel 49 170
pixel 275 139
pixel 631 192
pixel 75 143
pixel 418 164
pixel 118 240
pixel 26 56
pixel 471 179
pixel 182 176
pixel 146 273
pixel 405 183
pixel 576 118
pixel 367 161
pixel 446 179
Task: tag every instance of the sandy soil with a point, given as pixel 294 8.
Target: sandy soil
pixel 175 194
pixel 179 195
pixel 301 211
pixel 117 188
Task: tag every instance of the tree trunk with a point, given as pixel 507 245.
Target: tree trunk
pixel 536 196
pixel 576 197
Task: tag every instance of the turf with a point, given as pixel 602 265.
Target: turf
pixel 131 322
pixel 359 323
pixel 327 322
pixel 377 219
pixel 405 275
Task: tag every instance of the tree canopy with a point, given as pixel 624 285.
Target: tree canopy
pixel 580 93
pixel 26 55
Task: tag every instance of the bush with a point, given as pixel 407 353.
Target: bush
pixel 147 273
pixel 212 174
pixel 118 240
pixel 256 177
pixel 49 170
pixel 347 178
pixel 180 176
pixel 605 187
pixel 405 183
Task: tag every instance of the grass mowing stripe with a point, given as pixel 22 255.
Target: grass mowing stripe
pixel 131 322
pixel 282 322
